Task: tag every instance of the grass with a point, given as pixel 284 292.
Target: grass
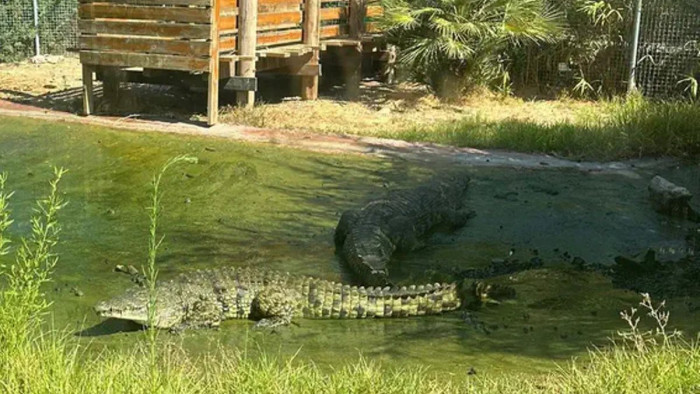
pixel 35 358
pixel 619 129
pixel 606 130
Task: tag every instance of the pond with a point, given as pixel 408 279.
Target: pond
pixel 258 205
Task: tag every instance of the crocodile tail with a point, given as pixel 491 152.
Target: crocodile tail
pixel 360 302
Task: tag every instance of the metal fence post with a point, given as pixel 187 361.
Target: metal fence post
pixel 632 83
pixel 37 47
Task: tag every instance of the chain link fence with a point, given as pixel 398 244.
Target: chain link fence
pixel 593 57
pixel 669 48
pixel 57 28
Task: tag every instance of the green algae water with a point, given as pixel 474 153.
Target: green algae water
pixel 264 206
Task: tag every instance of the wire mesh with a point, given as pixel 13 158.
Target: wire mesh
pixel 669 50
pixel 57 27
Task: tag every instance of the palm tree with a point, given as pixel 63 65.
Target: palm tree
pixel 451 44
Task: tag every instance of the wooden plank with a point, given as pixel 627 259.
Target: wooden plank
pixel 372 27
pixel 332 31
pixel 279 8
pixel 200 3
pixel 226 4
pixel 284 18
pixel 227 43
pixel 374 11
pixel 174 14
pixel 278 2
pixel 332 14
pixel 286 26
pixel 144 28
pixel 228 23
pixel 279 37
pixel 145 45
pixel 88 96
pixel 162 62
pixel 213 83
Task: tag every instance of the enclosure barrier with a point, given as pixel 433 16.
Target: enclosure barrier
pixel 220 42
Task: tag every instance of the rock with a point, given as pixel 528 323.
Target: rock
pixel 131 270
pixel 121 268
pixel 670 199
pixel 76 292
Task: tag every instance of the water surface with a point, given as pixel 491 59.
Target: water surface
pixel 257 205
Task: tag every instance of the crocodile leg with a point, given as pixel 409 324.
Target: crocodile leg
pixel 403 234
pixel 347 221
pixel 205 312
pixel 274 306
pixel 456 218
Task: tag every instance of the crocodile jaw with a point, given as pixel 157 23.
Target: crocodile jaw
pixel 139 315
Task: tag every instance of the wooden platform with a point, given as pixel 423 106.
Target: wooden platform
pixel 224 41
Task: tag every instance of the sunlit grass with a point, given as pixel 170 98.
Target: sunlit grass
pixel 622 128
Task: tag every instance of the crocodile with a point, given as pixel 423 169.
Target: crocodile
pixel 366 238
pixel 205 298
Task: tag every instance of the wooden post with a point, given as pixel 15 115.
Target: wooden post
pixel 352 70
pixel 247 27
pixel 352 63
pixel 356 18
pixel 312 29
pixel 88 97
pixel 111 81
pixel 213 82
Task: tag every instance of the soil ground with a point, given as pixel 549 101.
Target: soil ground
pixel 380 108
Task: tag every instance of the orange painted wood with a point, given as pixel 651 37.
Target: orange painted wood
pixel 333 13
pixel 374 11
pixel 228 22
pixel 279 37
pixel 283 18
pixel 225 4
pixel 162 62
pixel 372 27
pixel 227 43
pixel 175 14
pixel 332 31
pixel 143 28
pixel 200 3
pixel 145 45
pixel 278 2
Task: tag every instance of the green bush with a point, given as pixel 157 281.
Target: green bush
pixel 456 44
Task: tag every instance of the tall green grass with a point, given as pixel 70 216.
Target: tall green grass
pixel 620 128
pixel 37 359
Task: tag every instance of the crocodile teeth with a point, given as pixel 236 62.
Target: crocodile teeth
pixel 386 289
pixel 428 287
pixel 412 287
pixel 437 285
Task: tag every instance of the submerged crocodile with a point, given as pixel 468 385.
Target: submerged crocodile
pixel 206 298
pixel 366 238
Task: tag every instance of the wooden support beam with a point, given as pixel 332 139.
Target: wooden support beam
pixel 213 82
pixel 111 81
pixel 247 26
pixel 356 18
pixel 351 63
pixel 88 96
pixel 312 28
